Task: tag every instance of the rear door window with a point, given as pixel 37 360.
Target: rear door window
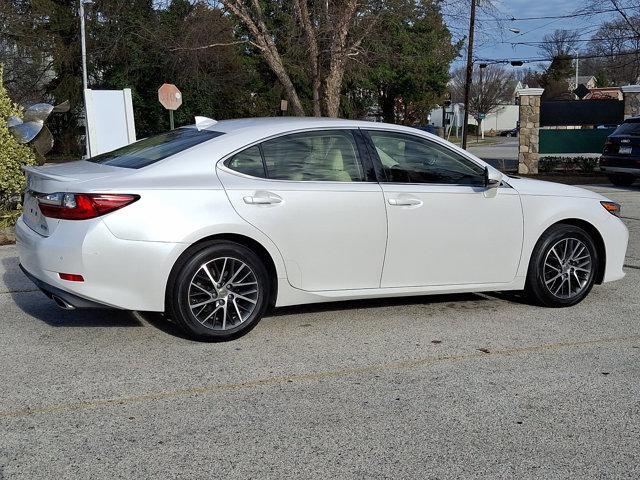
pixel 329 155
pixel 153 149
pixel 248 162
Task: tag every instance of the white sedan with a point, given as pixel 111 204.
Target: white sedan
pixel 216 222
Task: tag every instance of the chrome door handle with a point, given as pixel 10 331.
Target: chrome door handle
pixel 262 200
pixel 404 202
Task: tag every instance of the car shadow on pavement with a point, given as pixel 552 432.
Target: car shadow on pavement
pixel 461 298
pixel 37 305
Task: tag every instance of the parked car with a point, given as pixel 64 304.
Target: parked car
pixel 621 154
pixel 214 223
pixel 509 133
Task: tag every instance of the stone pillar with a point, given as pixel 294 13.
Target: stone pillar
pixel 529 125
pixel 631 96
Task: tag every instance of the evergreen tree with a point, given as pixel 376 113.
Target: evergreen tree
pixel 12 156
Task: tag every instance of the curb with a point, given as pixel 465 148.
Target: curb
pixel 7 236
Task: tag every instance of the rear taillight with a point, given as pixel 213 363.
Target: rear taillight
pixel 607 146
pixel 82 206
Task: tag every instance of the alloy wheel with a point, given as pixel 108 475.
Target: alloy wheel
pixel 223 293
pixel 567 268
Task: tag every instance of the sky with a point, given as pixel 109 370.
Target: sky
pixel 494 40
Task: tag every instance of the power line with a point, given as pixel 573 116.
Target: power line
pixel 548 17
pixel 593 39
pixel 531 60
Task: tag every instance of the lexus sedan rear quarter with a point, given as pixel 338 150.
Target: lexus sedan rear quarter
pixel 216 222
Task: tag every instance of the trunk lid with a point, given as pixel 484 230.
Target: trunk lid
pixel 56 178
pixel 623 145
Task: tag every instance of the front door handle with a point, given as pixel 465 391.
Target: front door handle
pixel 262 199
pixel 404 202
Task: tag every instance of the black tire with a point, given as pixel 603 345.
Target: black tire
pixel 182 295
pixel 538 289
pixel 622 180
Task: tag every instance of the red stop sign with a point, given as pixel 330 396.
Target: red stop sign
pixel 169 96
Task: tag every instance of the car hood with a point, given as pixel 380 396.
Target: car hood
pixel 527 186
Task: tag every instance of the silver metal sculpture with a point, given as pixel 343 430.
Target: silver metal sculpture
pixel 31 128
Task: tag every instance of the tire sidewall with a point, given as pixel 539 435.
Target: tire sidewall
pixel 178 295
pixel 535 280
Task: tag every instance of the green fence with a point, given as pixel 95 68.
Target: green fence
pixel 573 141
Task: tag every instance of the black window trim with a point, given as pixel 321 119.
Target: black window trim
pixel 380 173
pixel 362 151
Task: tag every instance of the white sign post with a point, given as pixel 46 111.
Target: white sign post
pixel 109 122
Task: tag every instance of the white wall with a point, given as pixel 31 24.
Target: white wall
pixel 504 118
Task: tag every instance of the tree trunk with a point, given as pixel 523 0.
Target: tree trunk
pixel 253 19
pixel 387 105
pixel 278 69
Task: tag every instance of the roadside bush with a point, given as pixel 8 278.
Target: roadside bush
pixel 548 164
pixel 588 165
pixel 12 157
pixel 567 164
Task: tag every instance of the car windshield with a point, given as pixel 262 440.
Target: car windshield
pixel 628 128
pixel 153 149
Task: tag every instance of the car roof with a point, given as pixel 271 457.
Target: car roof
pixel 288 123
pixel 243 132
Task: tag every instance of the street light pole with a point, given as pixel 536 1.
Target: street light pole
pixel 83 44
pixel 467 83
pixel 577 60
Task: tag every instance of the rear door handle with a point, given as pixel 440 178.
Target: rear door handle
pixel 404 202
pixel 262 199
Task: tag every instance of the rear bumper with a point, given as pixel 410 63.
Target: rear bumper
pixel 124 274
pixel 620 164
pixel 50 291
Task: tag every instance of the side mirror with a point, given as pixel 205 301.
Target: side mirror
pixel 492 178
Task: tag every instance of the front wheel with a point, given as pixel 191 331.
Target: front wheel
pixel 220 293
pixel 563 267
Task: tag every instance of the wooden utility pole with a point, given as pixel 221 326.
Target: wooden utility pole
pixel 467 83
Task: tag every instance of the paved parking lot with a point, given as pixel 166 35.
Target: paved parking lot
pixel 473 386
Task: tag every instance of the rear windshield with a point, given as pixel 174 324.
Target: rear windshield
pixel 153 149
pixel 628 128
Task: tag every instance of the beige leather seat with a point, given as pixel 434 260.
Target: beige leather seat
pixel 335 166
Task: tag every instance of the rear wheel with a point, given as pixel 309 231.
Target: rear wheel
pixel 563 267
pixel 220 293
pixel 622 180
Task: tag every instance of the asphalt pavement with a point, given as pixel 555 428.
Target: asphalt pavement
pixel 503 154
pixel 455 386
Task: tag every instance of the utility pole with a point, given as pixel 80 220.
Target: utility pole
pixel 481 115
pixel 467 83
pixel 83 44
pixel 577 60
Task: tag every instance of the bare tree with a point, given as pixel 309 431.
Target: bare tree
pixel 615 52
pixel 333 32
pixel 487 94
pixel 560 42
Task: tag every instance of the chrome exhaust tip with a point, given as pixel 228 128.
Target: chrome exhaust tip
pixel 62 303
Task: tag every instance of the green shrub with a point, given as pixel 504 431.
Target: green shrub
pixel 12 157
pixel 548 164
pixel 567 164
pixel 588 165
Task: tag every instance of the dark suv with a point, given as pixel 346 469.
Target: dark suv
pixel 621 155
